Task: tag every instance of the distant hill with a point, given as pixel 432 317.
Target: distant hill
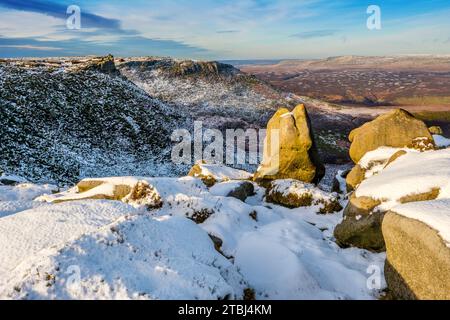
pixel 221 95
pixel 364 81
pixel 65 119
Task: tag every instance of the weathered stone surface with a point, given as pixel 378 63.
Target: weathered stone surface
pixel 355 177
pixel 436 130
pixel 86 185
pixel 361 227
pixel 426 196
pixel 418 260
pixel 397 129
pixel 144 194
pixel 211 174
pixel 119 192
pixel 289 149
pixel 134 192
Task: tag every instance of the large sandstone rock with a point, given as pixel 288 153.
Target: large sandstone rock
pixel 418 260
pixel 360 172
pixel 361 226
pixel 395 129
pixel 395 156
pixel 289 149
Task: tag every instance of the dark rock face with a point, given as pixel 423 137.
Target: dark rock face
pixel 61 125
pixel 361 227
pixel 246 189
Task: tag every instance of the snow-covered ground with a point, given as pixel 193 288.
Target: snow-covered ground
pixel 416 185
pixel 99 249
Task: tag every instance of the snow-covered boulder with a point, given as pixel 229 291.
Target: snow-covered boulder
pixel 396 129
pixel 418 250
pixel 413 177
pixel 211 174
pixel 131 190
pixel 295 194
pixel 289 149
pixel 372 163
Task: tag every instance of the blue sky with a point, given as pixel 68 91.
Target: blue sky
pixel 220 29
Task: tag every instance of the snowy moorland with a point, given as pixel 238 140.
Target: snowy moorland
pixel 199 244
pixel 66 120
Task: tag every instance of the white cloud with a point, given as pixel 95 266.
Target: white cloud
pixel 21 24
pixel 30 47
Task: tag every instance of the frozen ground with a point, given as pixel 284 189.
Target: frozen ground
pixel 98 249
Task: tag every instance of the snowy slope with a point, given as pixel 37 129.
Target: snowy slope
pixel 115 251
pixel 135 258
pixel 218 94
pixel 65 121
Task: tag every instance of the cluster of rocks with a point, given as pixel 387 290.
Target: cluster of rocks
pixel 290 169
pixel 417 257
pixel 290 172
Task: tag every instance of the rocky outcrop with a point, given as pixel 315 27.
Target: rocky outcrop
pixel 102 64
pixel 361 226
pixel 296 194
pixel 61 126
pixel 395 129
pixel 418 260
pixel 289 149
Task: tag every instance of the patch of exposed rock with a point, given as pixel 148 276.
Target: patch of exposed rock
pixel 295 194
